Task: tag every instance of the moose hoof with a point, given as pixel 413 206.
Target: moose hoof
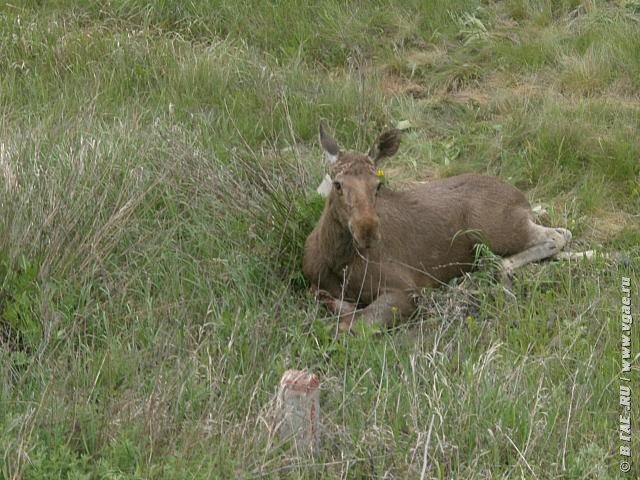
pixel 322 296
pixel 559 238
pixel 505 274
pixel 506 270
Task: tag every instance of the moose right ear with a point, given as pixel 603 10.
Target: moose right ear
pixel 329 145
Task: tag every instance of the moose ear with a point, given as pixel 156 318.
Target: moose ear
pixel 329 145
pixel 386 145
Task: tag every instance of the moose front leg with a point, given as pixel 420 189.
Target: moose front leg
pixel 384 311
pixel 336 305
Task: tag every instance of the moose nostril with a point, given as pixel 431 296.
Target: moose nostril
pixel 372 228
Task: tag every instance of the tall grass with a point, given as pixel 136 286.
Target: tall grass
pixel 158 168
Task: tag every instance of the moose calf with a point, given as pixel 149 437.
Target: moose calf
pixel 374 247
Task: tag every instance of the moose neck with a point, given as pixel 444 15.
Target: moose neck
pixel 336 243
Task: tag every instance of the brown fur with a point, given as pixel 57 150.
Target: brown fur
pixel 375 248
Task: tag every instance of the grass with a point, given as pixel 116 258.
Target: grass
pixel 158 164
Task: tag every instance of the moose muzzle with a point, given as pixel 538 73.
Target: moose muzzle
pixel 365 231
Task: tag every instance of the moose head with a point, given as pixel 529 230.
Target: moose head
pixel 355 184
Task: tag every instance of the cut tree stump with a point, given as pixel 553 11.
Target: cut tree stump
pixel 299 410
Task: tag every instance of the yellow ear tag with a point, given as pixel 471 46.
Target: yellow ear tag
pixel 380 175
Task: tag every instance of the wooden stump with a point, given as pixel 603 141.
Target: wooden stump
pixel 299 410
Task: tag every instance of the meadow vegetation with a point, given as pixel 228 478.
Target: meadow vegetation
pixel 158 166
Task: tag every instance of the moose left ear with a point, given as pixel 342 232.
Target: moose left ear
pixel 386 145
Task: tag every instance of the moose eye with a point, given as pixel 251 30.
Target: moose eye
pixel 337 186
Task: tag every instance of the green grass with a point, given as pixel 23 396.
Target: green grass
pixel 158 163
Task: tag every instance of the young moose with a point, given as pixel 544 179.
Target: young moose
pixel 374 247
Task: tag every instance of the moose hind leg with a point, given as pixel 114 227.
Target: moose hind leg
pixel 546 242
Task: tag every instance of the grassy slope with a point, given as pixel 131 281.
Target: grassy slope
pixel 157 167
